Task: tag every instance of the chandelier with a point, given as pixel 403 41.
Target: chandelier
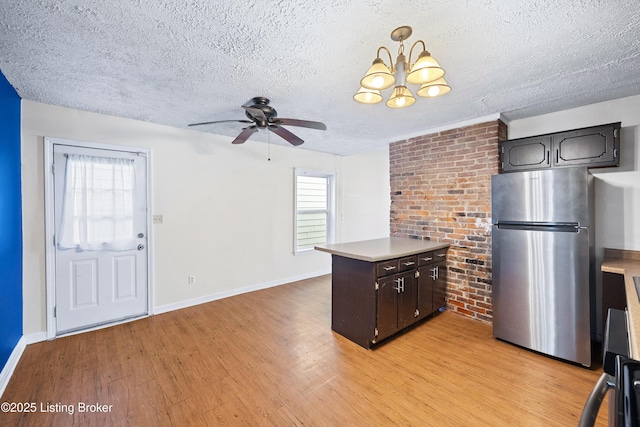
pixel 425 72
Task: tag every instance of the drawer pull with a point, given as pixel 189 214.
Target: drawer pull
pixel 427 259
pixel 442 255
pixel 389 267
pixel 408 263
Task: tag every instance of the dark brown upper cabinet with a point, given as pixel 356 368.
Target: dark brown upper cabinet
pixel 596 146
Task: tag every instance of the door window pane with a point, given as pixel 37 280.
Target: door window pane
pixel 97 211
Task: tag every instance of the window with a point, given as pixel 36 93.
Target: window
pixel 314 214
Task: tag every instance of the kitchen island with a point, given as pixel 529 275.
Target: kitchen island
pixel 384 286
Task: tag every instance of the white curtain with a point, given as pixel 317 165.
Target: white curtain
pixel 98 203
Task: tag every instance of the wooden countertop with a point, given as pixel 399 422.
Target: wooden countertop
pixel 381 249
pixel 627 263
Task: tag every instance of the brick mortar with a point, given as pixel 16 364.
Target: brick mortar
pixel 441 190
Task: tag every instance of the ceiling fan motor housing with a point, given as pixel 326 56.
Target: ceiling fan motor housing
pixel 262 104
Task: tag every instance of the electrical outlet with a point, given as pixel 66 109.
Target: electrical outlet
pixel 192 280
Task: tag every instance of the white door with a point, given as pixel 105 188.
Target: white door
pixel 100 236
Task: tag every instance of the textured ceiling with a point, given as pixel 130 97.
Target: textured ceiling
pixel 179 62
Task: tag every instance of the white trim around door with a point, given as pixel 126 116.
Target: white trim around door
pixel 50 250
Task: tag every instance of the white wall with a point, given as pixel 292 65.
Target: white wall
pixel 364 189
pixel 227 211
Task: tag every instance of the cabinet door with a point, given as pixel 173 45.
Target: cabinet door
pixel 426 276
pixel 406 299
pixel 387 307
pixel 525 154
pixel 594 146
pixel 440 286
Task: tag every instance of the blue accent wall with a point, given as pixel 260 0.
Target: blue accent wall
pixel 10 222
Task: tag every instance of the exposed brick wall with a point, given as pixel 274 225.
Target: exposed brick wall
pixel 441 190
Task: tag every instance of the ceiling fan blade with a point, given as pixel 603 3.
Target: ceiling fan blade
pixel 301 123
pixel 282 132
pixel 245 134
pixel 220 121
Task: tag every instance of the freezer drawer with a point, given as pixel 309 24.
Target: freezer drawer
pixel 541 295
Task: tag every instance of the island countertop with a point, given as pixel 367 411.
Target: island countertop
pixel 381 249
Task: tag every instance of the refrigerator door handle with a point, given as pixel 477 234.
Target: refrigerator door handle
pixel 561 227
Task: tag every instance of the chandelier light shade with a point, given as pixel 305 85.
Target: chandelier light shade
pixel 425 72
pixel 433 89
pixel 400 98
pixel 378 77
pixel 368 96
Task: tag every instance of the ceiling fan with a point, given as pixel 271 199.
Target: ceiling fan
pixel 263 116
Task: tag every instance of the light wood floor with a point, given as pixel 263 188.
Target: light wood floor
pixel 269 358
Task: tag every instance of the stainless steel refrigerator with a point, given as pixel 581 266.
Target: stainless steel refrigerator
pixel 543 261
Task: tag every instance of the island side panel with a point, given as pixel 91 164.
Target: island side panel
pixel 353 304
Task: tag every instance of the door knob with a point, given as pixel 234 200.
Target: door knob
pixel 140 235
pixel 140 247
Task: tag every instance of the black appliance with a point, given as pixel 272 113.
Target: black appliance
pixel 621 378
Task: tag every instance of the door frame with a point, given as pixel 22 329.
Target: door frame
pixel 50 262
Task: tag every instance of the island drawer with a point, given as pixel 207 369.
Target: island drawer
pixel 407 263
pixel 425 258
pixel 386 268
pixel 440 254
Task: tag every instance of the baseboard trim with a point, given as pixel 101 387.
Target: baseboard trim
pixel 11 364
pixel 34 338
pixel 213 297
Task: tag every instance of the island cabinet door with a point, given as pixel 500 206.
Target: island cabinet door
pixel 407 299
pixel 440 279
pixel 440 286
pixel 387 307
pixel 396 307
pixel 425 290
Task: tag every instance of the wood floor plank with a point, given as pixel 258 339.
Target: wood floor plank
pixel 270 358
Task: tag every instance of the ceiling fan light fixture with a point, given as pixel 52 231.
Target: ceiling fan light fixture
pixel 400 98
pixel 367 96
pixel 425 70
pixel 378 76
pixel 434 89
